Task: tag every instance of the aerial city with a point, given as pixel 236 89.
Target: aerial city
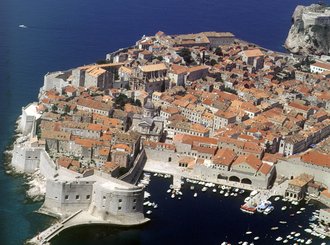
pixel 203 114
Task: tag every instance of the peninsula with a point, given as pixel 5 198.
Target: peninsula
pixel 205 107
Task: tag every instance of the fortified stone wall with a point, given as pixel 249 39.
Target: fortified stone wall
pixel 52 81
pixel 115 201
pixel 294 168
pixel 64 197
pixel 165 155
pixel 25 159
pixel 47 166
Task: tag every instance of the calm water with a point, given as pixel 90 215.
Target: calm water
pixel 62 34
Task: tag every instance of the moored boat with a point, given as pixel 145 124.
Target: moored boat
pixel 248 209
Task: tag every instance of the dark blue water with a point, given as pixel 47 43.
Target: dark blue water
pixel 62 34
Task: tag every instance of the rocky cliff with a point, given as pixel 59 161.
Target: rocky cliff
pixel 310 30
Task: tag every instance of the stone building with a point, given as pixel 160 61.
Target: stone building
pixel 148 124
pixel 297 187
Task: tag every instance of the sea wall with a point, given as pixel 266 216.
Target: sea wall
pixel 293 168
pixel 65 197
pixel 25 159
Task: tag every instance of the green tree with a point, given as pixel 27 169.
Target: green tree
pixel 54 108
pixel 218 51
pixel 213 62
pixel 186 55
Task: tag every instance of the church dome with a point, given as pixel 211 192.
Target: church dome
pixel 149 105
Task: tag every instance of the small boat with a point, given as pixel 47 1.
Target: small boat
pixel 283 222
pixel 278 239
pixel 226 194
pixel 146 203
pixel 221 192
pixel 253 193
pixel 195 194
pixel 204 189
pixel 192 187
pixel 248 232
pixel 172 196
pixel 274 228
pixel 298 212
pixel 155 206
pixel 22 26
pixel 248 209
pixel 276 199
pixel 241 191
pixel 245 243
pixel 236 190
pixel 247 199
pixel 263 205
pixel 302 209
pixel 285 241
pixel 297 234
pixel 284 208
pixel 149 212
pixel 256 238
pixel 214 190
pixel 309 241
pixel 232 194
pixel 308 230
pixel 268 210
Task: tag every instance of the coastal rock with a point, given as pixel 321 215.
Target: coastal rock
pixel 310 30
pixel 37 186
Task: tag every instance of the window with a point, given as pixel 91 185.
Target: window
pixel 77 197
pixel 119 208
pixel 88 197
pixel 134 207
pixel 66 197
pixel 134 200
pixel 104 197
pixel 120 200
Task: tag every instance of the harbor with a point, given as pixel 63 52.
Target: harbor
pixel 211 212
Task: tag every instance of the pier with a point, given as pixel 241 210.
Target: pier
pixel 77 219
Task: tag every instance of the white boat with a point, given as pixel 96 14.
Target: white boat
pixel 224 243
pixel 276 199
pixel 146 194
pixel 302 209
pixel 204 189
pixel 232 194
pixel 298 212
pixel 263 205
pixel 285 241
pixel 247 199
pixel 172 196
pixel 245 243
pixel 195 194
pixel 278 239
pixel 253 193
pixel 192 187
pixel 226 194
pixel 236 190
pixel 149 212
pixel 256 238
pixel 155 206
pixel 308 230
pixel 146 203
pixel 222 191
pixel 214 190
pixel 283 222
pixel 284 208
pixel 274 228
pixel 268 210
pixel 297 234
pixel 169 190
pixel 248 232
pixel 309 241
pixel 22 26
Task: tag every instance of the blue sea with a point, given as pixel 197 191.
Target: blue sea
pixel 63 34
